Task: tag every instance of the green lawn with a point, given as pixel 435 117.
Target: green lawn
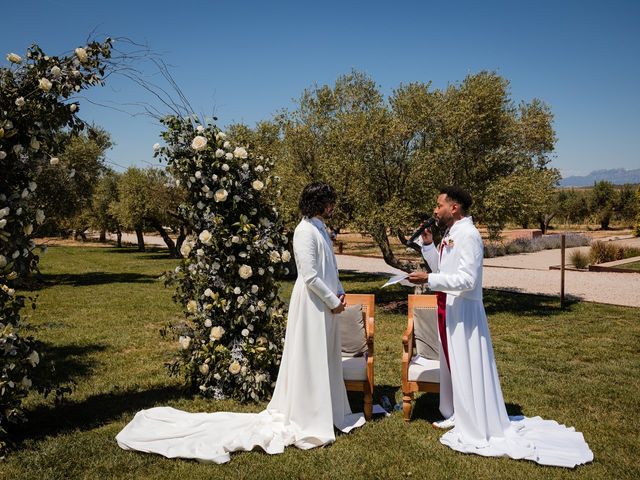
pixel 101 312
pixel 630 266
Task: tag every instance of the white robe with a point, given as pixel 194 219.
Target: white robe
pixel 471 388
pixel 309 397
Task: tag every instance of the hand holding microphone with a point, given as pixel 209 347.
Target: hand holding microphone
pixel 423 230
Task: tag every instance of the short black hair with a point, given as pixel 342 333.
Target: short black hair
pixel 458 195
pixel 315 197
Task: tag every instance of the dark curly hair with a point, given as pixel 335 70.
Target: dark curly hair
pixel 458 195
pixel 315 197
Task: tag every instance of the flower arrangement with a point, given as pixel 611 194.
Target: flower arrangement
pixel 231 341
pixel 35 104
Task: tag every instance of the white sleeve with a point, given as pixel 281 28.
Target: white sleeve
pixel 305 250
pixel 468 268
pixel 431 255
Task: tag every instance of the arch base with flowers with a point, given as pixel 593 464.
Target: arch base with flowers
pixel 232 336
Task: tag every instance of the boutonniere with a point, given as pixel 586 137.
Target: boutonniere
pixel 450 243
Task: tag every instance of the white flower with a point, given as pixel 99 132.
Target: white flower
pixel 221 136
pixel 234 368
pixel 205 189
pixel 245 167
pixel 72 173
pixel 34 358
pixel 56 72
pixel 34 144
pixel 73 107
pixel 207 323
pixel 235 239
pixel 26 382
pixel 240 152
pixel 221 195
pixel 14 58
pixel 262 306
pixel 4 212
pixel 3 154
pixel 257 185
pixel 3 261
pixel 204 368
pixel 19 102
pixel 28 229
pixel 185 249
pixel 219 153
pixel 198 174
pixel 44 84
pixel 254 289
pixel 225 167
pixel 33 186
pixel 54 160
pixel 40 216
pixel 286 256
pixel 205 237
pixel 259 169
pixel 274 256
pixel 17 149
pixel 199 129
pixel 208 292
pixel 216 333
pixel 184 342
pixel 245 271
pixel 81 53
pixel 227 145
pixel 261 271
pixel 156 147
pixel 199 143
pixel 245 332
pixel 217 376
pixel 192 306
pixel 200 252
pixel 237 290
pixel 228 156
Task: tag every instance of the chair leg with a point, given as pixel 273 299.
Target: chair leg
pixel 407 398
pixel 368 404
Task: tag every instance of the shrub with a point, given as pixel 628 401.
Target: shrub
pixel 579 259
pixel 602 252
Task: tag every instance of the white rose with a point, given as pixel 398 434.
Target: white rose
pixel 207 323
pixel 237 290
pixel 34 144
pixel 3 261
pixel 221 136
pixel 199 143
pixel 245 167
pixel 14 58
pixel 156 147
pixel 185 249
pixel 217 376
pixel 73 107
pixel 81 53
pixel 228 156
pixel 184 342
pixel 205 189
pixel 33 186
pixel 3 154
pixel 245 271
pixel 219 153
pixel 216 333
pixel 221 195
pixel 28 229
pixel 205 237
pixel 245 332
pixel 26 382
pixel 261 271
pixel 4 212
pixel 72 173
pixel 3 222
pixel 225 167
pixel 198 174
pixel 227 145
pixel 34 358
pixel 192 306
pixel 240 152
pixel 200 252
pixel 44 84
pixel 204 369
pixel 286 256
pixel 274 256
pixel 17 149
pixel 19 102
pixel 254 289
pixel 262 306
pixel 56 72
pixel 54 161
pixel 208 292
pixel 259 169
pixel 234 368
pixel 39 216
pixel 257 185
pixel 199 129
pixel 235 239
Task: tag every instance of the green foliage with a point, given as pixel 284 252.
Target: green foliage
pixel 602 252
pixel 637 230
pixel 602 202
pixel 105 195
pixel 34 111
pixel 232 337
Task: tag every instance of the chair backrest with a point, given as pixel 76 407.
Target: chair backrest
pixel 354 329
pixel 424 325
pixel 365 299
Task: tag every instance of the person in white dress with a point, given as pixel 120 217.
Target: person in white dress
pixel 470 395
pixel 309 399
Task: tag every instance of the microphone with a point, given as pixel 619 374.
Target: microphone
pixel 428 223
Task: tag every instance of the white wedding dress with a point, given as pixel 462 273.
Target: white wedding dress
pixel 309 398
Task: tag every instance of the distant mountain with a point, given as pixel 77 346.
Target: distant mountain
pixel 617 176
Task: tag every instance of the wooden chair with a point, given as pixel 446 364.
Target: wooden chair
pixel 358 371
pixel 417 378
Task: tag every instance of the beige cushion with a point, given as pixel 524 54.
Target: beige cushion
pixel 352 332
pixel 425 330
pixel 423 370
pixel 354 368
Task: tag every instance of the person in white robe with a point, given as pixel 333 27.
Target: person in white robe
pixel 470 395
pixel 310 397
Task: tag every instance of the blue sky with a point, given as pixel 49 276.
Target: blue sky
pixel 244 60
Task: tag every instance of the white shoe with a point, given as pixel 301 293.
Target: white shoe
pixel 445 424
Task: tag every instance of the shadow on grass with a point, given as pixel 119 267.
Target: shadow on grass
pixel 90 413
pixel 426 407
pixel 93 278
pixel 71 361
pixel 523 304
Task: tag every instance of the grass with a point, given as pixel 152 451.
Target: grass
pixel 630 266
pixel 100 316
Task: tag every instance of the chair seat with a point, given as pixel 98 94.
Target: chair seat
pixel 354 368
pixel 423 370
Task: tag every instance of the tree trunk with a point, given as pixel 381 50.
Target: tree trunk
pixel 80 233
pixel 182 235
pixel 118 237
pixel 140 240
pixel 379 234
pixel 155 223
pixel 103 236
